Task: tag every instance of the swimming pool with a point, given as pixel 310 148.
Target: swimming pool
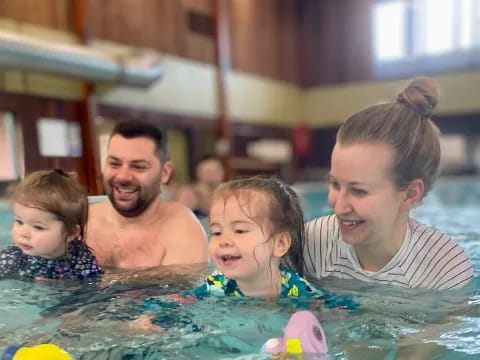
pixel 236 328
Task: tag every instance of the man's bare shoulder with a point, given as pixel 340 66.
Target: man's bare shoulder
pixel 175 211
pixel 99 209
pixel 187 241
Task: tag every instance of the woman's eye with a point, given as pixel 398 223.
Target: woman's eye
pixel 359 192
pixel 216 233
pixel 334 184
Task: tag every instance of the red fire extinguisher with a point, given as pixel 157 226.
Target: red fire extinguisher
pixel 302 140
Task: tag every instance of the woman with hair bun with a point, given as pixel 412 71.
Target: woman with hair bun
pixel 385 160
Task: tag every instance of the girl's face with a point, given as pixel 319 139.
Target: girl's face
pixel 241 246
pixel 39 233
pixel 369 207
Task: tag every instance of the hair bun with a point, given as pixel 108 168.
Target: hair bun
pixel 421 94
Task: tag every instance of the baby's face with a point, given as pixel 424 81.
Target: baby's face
pixel 38 232
pixel 240 244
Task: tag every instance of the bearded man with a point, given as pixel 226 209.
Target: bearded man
pixel 136 228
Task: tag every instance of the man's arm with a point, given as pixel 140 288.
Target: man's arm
pixel 187 240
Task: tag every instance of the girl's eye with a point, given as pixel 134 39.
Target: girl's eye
pixel 19 222
pixel 215 233
pixel 38 227
pixel 240 231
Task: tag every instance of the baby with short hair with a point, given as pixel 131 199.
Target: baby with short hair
pixel 51 211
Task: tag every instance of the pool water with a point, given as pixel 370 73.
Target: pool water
pixel 89 319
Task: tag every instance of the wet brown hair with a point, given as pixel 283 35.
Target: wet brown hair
pixel 406 125
pixel 57 192
pixel 284 213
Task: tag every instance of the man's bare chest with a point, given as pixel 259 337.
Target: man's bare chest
pixel 130 249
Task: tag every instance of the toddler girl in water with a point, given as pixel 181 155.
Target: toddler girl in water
pixel 51 210
pixel 257 237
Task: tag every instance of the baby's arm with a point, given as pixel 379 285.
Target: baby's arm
pixel 144 323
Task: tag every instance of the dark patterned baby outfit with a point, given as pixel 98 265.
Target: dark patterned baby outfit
pixel 79 262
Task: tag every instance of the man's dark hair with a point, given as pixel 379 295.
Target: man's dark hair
pixel 135 129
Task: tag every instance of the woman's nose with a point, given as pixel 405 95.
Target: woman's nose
pixel 339 201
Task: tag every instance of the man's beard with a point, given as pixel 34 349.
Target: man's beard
pixel 143 201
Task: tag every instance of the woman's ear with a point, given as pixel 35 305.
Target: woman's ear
pixel 414 193
pixel 74 234
pixel 283 241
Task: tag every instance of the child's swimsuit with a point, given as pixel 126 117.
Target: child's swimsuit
pixel 79 262
pixel 218 284
pixel 293 286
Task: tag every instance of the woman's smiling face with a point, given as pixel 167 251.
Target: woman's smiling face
pixel 370 208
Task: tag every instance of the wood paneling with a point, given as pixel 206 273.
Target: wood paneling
pixel 336 41
pixel 264 37
pixel 263 33
pixel 50 13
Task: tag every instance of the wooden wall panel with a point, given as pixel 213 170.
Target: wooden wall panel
pixel 264 34
pixel 195 45
pixel 336 41
pixel 49 13
pixel 288 33
pixel 264 37
pixel 163 26
pixel 123 21
pixel 202 6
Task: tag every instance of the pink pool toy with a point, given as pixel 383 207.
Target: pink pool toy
pixel 302 335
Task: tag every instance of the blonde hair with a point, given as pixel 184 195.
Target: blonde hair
pixel 57 192
pixel 406 125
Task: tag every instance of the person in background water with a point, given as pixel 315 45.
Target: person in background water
pixel 136 228
pixel 198 196
pixel 51 211
pixel 257 238
pixel 385 161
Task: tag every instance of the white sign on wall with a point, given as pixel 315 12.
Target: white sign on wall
pixel 59 138
pixel 8 161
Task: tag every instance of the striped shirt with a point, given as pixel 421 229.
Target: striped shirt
pixel 427 259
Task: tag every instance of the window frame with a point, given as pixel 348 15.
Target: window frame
pixel 427 64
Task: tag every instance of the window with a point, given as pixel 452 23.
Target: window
pixel 389 30
pixel 425 36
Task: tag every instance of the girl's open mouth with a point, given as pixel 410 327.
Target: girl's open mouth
pixel 229 259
